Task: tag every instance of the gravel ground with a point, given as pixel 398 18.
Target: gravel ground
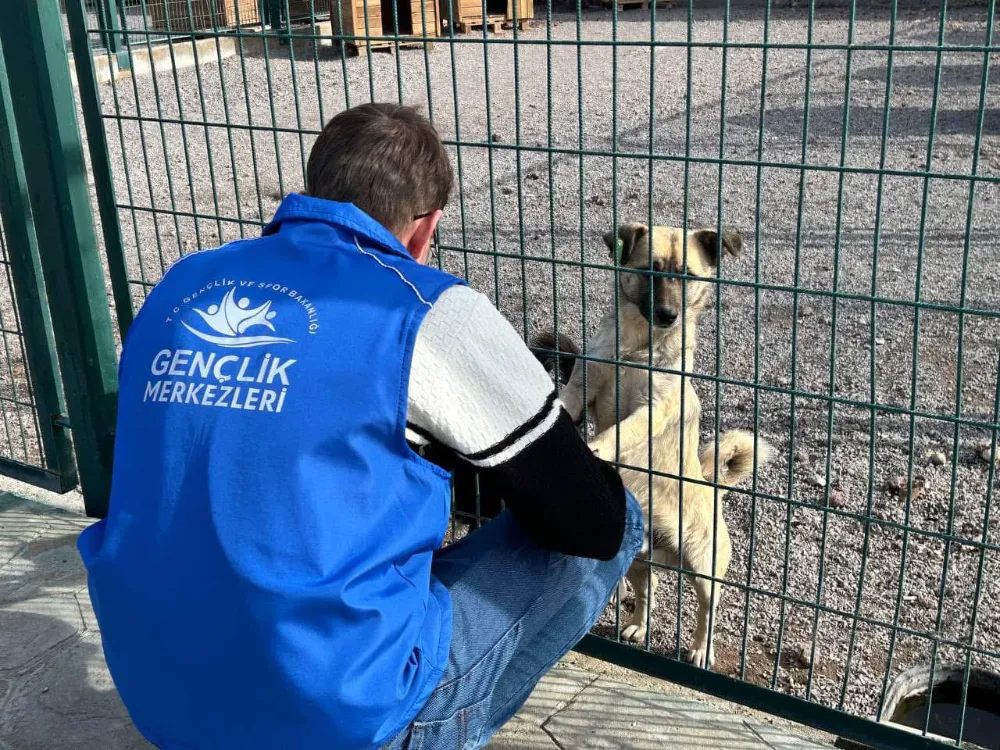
pixel 860 235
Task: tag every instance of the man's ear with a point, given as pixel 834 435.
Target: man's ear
pixel 622 243
pixel 712 246
pixel 420 234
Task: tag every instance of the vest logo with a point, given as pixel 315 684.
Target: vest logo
pixel 233 319
pixel 255 380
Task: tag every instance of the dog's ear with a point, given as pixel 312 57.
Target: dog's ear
pixel 622 243
pixel 712 246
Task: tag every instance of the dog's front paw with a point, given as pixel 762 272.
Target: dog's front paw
pixel 634 633
pixel 703 657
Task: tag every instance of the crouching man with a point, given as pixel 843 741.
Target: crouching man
pixel 270 574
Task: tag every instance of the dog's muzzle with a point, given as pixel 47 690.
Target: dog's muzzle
pixel 664 317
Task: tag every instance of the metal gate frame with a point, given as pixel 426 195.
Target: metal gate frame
pixel 59 473
pixel 48 206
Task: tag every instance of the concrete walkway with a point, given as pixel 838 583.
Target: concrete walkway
pixel 55 691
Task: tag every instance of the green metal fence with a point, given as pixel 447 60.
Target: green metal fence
pixel 113 25
pixel 855 147
pixel 29 449
pixel 54 270
pixel 34 446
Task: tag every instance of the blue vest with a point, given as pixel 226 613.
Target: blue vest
pixel 263 578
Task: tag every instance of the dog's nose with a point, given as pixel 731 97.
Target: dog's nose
pixel 665 316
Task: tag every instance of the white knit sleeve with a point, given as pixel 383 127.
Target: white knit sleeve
pixel 474 385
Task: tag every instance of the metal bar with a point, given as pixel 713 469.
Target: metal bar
pixel 613 152
pixel 650 190
pixel 692 44
pixel 686 191
pixel 960 364
pixel 992 455
pixel 37 476
pixel 717 576
pixel 759 194
pixel 208 138
pixel 256 171
pixel 796 272
pixel 111 36
pixel 100 163
pixel 45 112
pixel 147 172
pixel 872 364
pixel 942 24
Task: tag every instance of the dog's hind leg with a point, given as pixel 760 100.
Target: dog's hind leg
pixel 709 592
pixel 702 652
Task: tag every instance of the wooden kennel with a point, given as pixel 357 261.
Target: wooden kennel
pixel 468 14
pixel 201 15
pixel 380 22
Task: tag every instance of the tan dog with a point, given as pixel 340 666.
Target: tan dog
pixel 648 416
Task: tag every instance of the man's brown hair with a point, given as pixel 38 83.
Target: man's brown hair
pixel 386 159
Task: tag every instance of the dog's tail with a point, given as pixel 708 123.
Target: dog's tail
pixel 735 449
pixel 568 350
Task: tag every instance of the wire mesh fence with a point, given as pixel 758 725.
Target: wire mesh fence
pixel 20 436
pixel 113 25
pixel 854 147
pixel 33 448
pixel 126 15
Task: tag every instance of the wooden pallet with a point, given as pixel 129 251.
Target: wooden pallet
pixel 640 4
pixel 382 45
pixel 493 23
pixel 523 24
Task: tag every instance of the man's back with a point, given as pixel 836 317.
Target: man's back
pixel 265 503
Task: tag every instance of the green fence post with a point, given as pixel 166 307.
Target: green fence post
pixel 58 470
pixel 109 25
pixel 119 29
pixel 45 111
pixel 100 162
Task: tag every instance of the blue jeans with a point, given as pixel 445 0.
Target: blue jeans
pixel 517 609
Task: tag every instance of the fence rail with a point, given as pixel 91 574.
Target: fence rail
pixel 856 148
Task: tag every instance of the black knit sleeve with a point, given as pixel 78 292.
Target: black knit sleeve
pixel 482 405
